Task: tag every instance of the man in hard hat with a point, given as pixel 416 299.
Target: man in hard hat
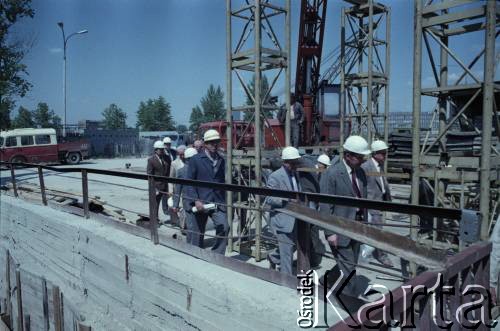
pixel 169 151
pixel 175 166
pixel 322 164
pixel 158 165
pixel 296 119
pixel 346 178
pixel 378 189
pixel 184 192
pixel 209 166
pixel 284 226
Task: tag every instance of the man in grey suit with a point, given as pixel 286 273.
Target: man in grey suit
pixel 346 178
pixel 284 226
pixel 378 189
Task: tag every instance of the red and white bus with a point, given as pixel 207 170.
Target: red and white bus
pixel 40 146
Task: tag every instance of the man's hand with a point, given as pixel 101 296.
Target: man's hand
pixel 199 205
pixel 332 240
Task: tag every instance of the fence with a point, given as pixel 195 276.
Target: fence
pixel 461 269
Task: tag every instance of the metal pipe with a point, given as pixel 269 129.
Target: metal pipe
pixel 258 126
pixel 387 77
pixel 342 81
pixel 488 111
pixel 288 50
pixel 417 87
pixel 369 97
pixel 229 120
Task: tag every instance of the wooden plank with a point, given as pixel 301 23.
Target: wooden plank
pixel 8 290
pixel 42 185
pixel 13 180
pixel 85 191
pixel 303 246
pixel 57 308
pixel 46 318
pixel 19 297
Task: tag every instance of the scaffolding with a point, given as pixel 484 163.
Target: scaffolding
pixel 258 47
pixel 364 69
pixel 465 108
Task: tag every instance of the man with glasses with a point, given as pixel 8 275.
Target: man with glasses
pixel 209 166
pixel 346 178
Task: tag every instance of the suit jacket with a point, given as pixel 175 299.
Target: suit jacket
pixel 156 168
pixel 201 168
pixel 183 191
pixel 336 181
pixel 280 180
pixel 375 187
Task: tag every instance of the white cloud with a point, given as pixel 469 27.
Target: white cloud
pixel 55 50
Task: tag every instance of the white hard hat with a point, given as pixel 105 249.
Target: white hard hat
pixel 211 135
pixel 357 144
pixel 170 202
pixel 158 144
pixel 323 158
pixel 379 145
pixel 190 152
pixel 167 140
pixel 181 148
pixel 290 153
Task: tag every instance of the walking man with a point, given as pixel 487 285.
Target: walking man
pixel 159 165
pixel 284 226
pixel 378 189
pixel 184 193
pixel 346 178
pixel 209 166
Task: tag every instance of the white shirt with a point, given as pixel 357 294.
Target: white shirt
pixel 349 171
pixel 379 170
pixel 295 186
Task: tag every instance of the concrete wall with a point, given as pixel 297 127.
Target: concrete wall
pixel 165 289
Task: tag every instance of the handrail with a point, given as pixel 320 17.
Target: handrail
pixel 402 208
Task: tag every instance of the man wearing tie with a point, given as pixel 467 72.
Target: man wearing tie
pixel 346 178
pixel 284 227
pixel 378 189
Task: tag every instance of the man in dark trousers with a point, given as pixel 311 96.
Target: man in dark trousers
pixel 210 166
pixel 185 192
pixel 346 178
pixel 378 189
pixel 159 165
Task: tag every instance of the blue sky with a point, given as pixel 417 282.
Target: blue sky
pixel 140 49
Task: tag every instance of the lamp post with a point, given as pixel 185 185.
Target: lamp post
pixel 65 42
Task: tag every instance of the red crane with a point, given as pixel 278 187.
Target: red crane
pixel 310 47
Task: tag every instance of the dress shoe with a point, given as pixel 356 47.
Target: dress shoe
pixel 272 265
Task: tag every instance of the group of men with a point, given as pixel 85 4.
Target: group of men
pixel 201 162
pixel 358 174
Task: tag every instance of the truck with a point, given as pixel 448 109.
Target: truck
pixel 40 146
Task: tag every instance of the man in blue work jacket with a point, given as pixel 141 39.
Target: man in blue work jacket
pixel 208 165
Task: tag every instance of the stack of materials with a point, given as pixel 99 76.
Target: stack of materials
pixel 458 143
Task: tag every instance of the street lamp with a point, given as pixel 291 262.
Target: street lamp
pixel 65 42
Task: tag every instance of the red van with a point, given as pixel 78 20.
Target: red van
pixel 40 146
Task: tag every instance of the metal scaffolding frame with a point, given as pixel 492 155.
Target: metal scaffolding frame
pixel 365 63
pixel 258 48
pixel 437 23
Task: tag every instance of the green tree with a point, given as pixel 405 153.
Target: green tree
pixel 13 72
pixel 114 117
pixel 212 104
pixel 5 109
pixel 155 115
pixel 24 119
pixel 43 117
pixel 196 119
pixel 181 128
pixel 264 87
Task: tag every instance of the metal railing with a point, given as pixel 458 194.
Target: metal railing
pixel 471 261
